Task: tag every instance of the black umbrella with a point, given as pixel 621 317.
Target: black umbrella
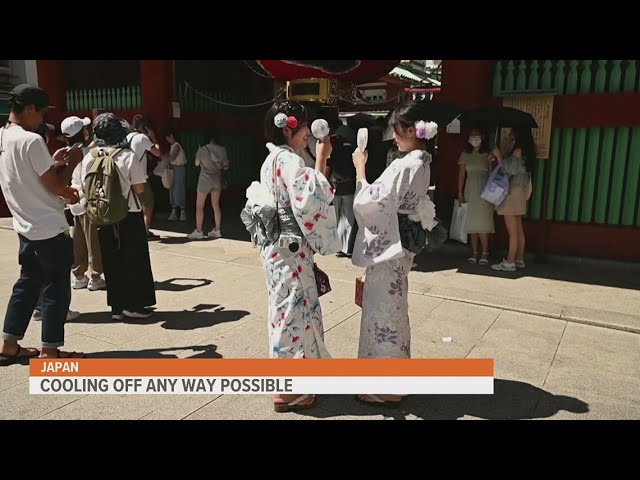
pixel 441 113
pixel 361 120
pixel 498 116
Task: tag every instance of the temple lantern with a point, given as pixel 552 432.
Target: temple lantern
pixel 325 83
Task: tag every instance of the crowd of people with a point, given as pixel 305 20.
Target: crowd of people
pixel 329 201
pixel 85 212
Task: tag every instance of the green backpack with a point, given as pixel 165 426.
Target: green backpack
pixel 105 203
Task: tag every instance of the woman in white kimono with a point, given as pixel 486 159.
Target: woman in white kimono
pixel 393 214
pixel 305 223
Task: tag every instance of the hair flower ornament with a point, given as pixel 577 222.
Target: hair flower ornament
pixel 426 130
pixel 280 120
pixel 292 122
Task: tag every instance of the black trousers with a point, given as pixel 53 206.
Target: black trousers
pixel 126 264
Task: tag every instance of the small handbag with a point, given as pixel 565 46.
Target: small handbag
pixel 322 281
pixel 359 290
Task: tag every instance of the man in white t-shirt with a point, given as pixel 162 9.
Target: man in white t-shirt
pixel 33 182
pixel 143 140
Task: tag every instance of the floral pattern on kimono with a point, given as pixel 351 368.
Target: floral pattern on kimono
pixel 384 328
pixel 295 317
pixel 399 189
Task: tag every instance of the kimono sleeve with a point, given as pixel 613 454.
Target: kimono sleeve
pixel 311 194
pixel 376 204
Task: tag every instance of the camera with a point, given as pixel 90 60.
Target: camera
pixel 290 242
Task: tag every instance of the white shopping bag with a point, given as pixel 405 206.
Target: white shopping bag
pixel 167 178
pixel 458 220
pixel 162 165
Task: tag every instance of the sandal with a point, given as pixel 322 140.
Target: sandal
pixel 484 260
pixel 6 360
pixel 472 260
pixel 61 354
pixel 377 401
pixel 295 405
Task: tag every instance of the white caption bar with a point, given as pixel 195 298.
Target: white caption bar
pixel 259 385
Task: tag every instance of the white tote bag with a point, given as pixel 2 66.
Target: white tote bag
pixel 162 165
pixel 167 178
pixel 458 220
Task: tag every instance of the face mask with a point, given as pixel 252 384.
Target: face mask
pixel 475 141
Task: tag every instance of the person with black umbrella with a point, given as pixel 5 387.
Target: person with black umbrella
pixel 518 163
pixel 473 170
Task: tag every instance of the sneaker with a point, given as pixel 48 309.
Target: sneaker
pixel 116 314
pixel 520 264
pixel 183 216
pixel 174 216
pixel 196 235
pixel 215 233
pixel 138 313
pixel 79 283
pixel 97 284
pixel 504 266
pixel 152 236
pixel 72 315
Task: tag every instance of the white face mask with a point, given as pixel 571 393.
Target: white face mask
pixel 475 141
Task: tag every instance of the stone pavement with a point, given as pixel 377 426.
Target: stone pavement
pixel 564 337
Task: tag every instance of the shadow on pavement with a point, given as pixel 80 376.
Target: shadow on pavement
pixel 453 257
pixel 512 400
pixel 202 351
pixel 182 320
pixel 171 285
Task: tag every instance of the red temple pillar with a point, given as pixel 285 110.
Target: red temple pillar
pixel 156 78
pixel 466 83
pixel 52 79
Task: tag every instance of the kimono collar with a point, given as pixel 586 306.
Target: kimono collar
pixel 423 155
pixel 271 147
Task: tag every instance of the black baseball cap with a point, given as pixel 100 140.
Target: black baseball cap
pixel 26 94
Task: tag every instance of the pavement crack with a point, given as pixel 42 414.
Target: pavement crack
pixel 555 353
pixel 200 408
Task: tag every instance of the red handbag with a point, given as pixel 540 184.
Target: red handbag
pixel 359 290
pixel 322 281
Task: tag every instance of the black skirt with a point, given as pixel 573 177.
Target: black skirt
pixel 126 263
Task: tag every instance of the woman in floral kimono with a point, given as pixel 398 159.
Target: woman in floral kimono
pixel 394 214
pixel 305 223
